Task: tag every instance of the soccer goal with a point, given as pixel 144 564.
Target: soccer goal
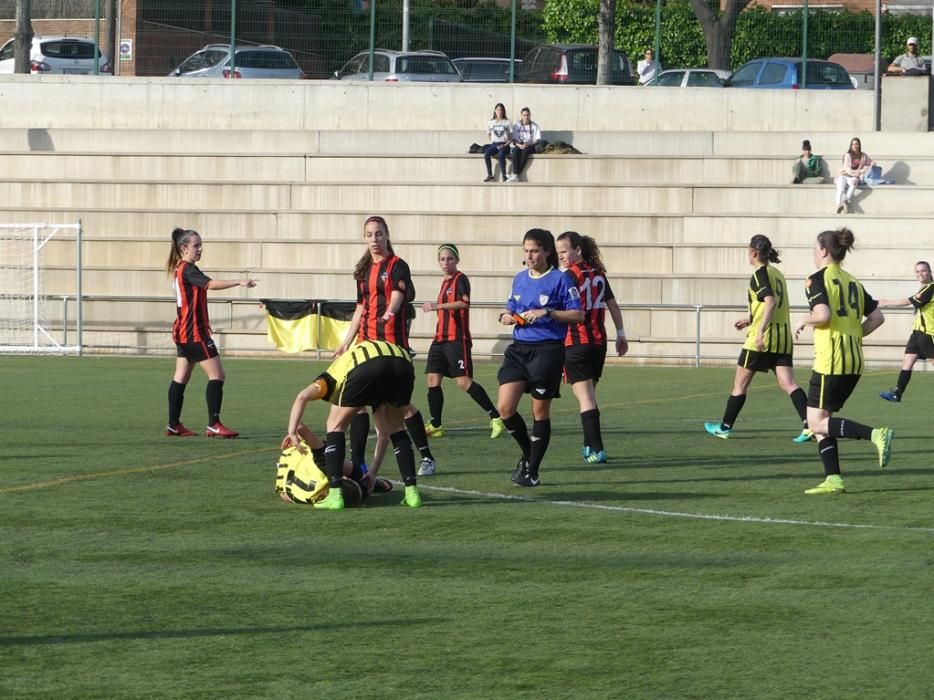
pixel 40 280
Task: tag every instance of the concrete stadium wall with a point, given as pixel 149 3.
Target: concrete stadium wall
pixel 159 103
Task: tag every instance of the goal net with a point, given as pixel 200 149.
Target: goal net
pixel 40 288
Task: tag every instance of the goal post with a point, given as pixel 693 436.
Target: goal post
pixel 40 264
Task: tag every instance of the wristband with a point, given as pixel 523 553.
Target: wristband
pixel 621 334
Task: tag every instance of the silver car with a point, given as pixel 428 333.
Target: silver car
pixel 250 63
pixel 57 54
pixel 401 66
pixel 691 77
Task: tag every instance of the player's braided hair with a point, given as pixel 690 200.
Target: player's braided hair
pixel 546 241
pixel 837 242
pixel 362 268
pixel 590 252
pixel 180 238
pixel 764 250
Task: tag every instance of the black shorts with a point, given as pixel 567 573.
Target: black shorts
pixel 450 358
pixel 583 362
pixel 920 344
pixel 539 365
pixel 197 352
pixel 377 381
pixel 830 391
pixel 763 361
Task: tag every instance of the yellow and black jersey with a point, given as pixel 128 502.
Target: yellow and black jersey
pixel 924 309
pixel 768 282
pixel 838 345
pixel 336 375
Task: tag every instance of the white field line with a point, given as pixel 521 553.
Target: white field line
pixel 676 514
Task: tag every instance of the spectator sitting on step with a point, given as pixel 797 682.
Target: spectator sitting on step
pixel 526 139
pixel 807 166
pixel 856 165
pixel 500 133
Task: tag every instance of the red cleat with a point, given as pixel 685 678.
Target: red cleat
pixel 178 431
pixel 220 430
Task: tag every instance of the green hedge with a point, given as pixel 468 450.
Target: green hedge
pixel 758 32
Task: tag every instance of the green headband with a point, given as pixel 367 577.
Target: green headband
pixel 451 247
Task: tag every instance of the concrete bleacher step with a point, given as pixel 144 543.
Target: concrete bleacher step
pixel 553 169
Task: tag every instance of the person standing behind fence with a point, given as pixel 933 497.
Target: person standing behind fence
pixel 842 314
pixel 191 334
pixel 585 344
pixel 648 67
pixel 542 302
pixel 450 352
pixel 499 130
pixel 526 137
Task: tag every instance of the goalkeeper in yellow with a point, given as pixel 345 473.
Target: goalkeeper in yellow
pixel 842 313
pixel 373 373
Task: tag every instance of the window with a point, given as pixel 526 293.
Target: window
pixel 827 74
pixel 6 53
pixel 747 74
pixel 704 78
pixel 68 49
pixel 773 74
pixel 672 79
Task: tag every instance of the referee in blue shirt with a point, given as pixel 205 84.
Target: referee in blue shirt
pixel 542 302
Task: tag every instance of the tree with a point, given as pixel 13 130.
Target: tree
pixel 22 37
pixel 606 24
pixel 719 28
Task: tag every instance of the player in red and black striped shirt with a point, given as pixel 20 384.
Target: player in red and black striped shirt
pixel 192 333
pixel 586 342
pixel 384 295
pixel 449 354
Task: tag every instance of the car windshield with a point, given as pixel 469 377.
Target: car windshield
pixel 269 60
pixel 820 73
pixel 68 49
pixel 202 59
pixel 424 65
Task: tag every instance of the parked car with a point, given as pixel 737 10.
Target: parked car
pixel 786 72
pixel 250 63
pixel 401 66
pixel 485 70
pixel 691 77
pixel 57 54
pixel 571 64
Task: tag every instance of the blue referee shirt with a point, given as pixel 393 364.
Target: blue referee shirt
pixel 554 290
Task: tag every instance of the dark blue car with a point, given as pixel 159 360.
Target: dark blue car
pixel 785 73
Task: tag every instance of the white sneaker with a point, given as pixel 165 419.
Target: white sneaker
pixel 427 467
pixel 512 178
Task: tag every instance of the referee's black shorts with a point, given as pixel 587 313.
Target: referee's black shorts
pixel 763 361
pixel 449 358
pixel 539 365
pixel 379 380
pixel 830 391
pixel 920 344
pixel 197 352
pixel 583 362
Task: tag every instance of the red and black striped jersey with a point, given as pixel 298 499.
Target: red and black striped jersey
pixel 594 292
pixel 375 292
pixel 191 302
pixel 453 324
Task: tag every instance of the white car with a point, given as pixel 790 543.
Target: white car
pixel 692 77
pixel 57 54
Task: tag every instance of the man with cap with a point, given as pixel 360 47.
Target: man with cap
pixel 909 63
pixel 807 165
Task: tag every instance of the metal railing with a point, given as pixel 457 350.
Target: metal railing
pixel 698 310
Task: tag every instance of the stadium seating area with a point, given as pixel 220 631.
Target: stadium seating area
pixel 672 211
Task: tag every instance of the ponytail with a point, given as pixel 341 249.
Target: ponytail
pixel 764 250
pixel 590 252
pixel 180 238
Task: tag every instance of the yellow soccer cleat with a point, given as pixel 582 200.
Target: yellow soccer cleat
pixel 497 427
pixel 433 432
pixel 832 484
pixel 412 498
pixel 333 501
pixel 882 439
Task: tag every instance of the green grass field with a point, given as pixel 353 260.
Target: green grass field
pixel 135 565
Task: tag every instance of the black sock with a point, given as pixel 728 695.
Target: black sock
pixel 435 405
pixel 829 456
pixel 359 432
pixel 416 426
pixel 590 420
pixel 516 427
pixel 176 399
pixel 903 378
pixel 334 451
pixel 845 428
pixel 214 394
pixel 541 436
pixel 478 394
pixel 402 448
pixel 317 456
pixel 734 405
pixel 800 401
